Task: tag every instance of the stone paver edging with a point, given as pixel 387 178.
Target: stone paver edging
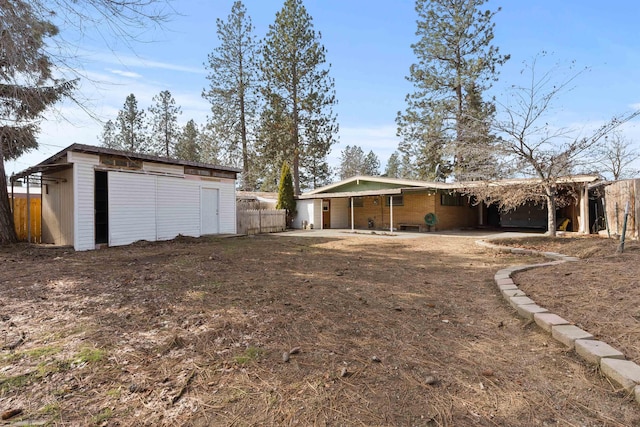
pixel 611 362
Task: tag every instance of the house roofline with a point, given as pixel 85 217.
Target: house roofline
pixel 435 185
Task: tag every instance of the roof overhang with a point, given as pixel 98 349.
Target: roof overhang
pixel 52 164
pixel 385 192
pixel 41 168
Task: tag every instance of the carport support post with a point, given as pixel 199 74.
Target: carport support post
pixel 352 229
pixel 28 213
pixel 391 214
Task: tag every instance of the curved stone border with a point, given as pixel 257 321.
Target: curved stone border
pixel 612 362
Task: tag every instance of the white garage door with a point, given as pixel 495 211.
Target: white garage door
pixel 132 208
pixel 178 204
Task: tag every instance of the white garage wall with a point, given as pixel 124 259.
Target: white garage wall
pixel 178 208
pixel 151 207
pixel 226 205
pixel 83 200
pixel 132 208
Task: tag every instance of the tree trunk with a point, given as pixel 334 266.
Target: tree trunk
pixel 551 212
pixel 7 226
pixel 295 137
pixel 243 137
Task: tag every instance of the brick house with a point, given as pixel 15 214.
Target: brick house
pixel 381 203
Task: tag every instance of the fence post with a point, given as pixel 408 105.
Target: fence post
pixel 624 228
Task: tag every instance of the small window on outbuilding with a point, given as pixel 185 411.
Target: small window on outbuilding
pixel 120 162
pixel 358 202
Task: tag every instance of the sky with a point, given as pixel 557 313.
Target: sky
pixel 368 44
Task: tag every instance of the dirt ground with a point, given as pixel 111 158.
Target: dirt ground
pixel 283 330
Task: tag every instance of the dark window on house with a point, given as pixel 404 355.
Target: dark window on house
pixel 454 199
pixel 358 202
pixel 397 200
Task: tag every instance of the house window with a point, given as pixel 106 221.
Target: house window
pixel 454 199
pixel 358 202
pixel 397 200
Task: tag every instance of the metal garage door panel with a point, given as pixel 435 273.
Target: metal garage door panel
pixel 178 203
pixel 132 208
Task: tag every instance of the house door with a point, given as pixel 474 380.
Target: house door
pixel 101 207
pixel 209 211
pixel 326 214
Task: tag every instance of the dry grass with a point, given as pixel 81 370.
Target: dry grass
pixel 194 332
pixel 601 293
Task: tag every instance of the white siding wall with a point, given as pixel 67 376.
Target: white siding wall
pixel 57 209
pixel 340 213
pixel 152 207
pixel 132 208
pixel 226 205
pixel 162 168
pixel 305 213
pixel 317 213
pixel 83 197
pixel 178 208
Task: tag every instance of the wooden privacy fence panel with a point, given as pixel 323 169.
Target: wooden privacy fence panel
pixel 256 221
pixel 20 219
pixel 616 197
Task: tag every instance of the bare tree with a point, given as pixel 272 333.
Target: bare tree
pixel 531 147
pixel 616 157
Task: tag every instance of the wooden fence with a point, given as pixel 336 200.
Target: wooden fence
pixel 617 195
pixel 20 219
pixel 256 221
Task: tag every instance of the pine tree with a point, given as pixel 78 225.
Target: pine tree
pixel 476 153
pixel 209 147
pixel 298 90
pixel 455 55
pixel 286 197
pixel 233 87
pixel 392 169
pixel 354 162
pixel 164 124
pixel 187 147
pixel 131 127
pixel 27 89
pixel 109 137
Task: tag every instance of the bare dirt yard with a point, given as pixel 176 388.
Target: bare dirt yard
pixel 284 330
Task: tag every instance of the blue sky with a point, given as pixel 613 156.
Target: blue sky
pixel 368 44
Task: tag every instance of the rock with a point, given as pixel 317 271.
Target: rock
pixel 136 388
pixel 285 356
pixel 375 359
pixel 431 380
pixel 10 413
pixel 294 350
pixel 344 372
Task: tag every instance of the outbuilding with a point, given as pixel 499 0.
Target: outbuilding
pixel 94 196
